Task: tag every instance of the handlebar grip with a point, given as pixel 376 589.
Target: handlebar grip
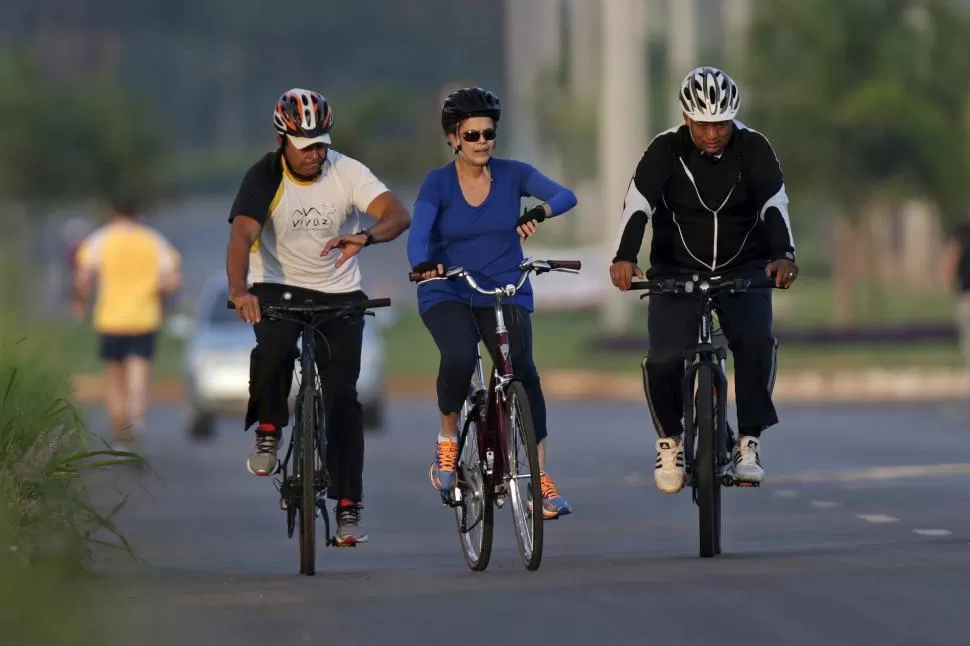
pixel 414 276
pixel 230 305
pixel 645 284
pixel 377 302
pixel 566 264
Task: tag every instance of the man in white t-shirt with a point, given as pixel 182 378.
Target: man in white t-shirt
pixel 296 228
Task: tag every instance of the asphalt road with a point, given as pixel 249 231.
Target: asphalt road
pixel 861 532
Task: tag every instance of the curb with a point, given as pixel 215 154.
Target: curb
pixel 874 385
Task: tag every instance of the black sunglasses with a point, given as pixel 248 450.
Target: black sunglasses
pixel 471 136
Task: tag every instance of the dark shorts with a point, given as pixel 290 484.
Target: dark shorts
pixel 117 347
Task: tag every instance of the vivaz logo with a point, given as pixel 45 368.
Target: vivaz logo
pixel 313 219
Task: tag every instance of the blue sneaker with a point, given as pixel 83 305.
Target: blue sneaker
pixel 443 476
pixel 553 504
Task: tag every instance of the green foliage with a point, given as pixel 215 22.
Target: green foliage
pixel 53 487
pixel 392 131
pixel 89 138
pixel 864 98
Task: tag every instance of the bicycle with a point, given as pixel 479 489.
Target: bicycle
pixel 299 495
pixel 496 426
pixel 705 366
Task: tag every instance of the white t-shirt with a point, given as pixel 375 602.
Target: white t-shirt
pixel 299 217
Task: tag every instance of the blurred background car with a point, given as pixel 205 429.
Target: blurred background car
pixel 216 363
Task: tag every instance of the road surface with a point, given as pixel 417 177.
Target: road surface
pixel 861 533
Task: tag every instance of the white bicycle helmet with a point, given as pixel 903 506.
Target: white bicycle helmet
pixel 708 94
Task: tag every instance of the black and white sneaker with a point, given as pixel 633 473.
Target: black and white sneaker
pixel 668 471
pixel 747 461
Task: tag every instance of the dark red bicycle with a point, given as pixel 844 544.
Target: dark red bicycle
pixel 497 452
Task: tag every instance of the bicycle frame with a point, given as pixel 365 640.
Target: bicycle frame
pixel 309 380
pixel 309 490
pixel 495 434
pixel 705 353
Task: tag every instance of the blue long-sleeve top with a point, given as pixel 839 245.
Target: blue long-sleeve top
pixel 482 239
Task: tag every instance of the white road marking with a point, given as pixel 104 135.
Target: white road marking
pixel 825 504
pixel 877 518
pixel 786 493
pixel 933 532
pixel 876 473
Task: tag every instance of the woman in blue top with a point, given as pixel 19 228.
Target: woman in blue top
pixel 467 213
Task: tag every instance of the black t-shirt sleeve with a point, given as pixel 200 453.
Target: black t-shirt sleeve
pixel 768 194
pixel 643 194
pixel 257 189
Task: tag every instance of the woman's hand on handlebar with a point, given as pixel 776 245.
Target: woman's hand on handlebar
pixel 247 307
pixel 427 269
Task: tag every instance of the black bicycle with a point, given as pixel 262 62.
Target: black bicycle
pixel 705 394
pixel 301 494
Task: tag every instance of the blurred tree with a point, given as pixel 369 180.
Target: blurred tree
pixel 78 141
pixel 568 124
pixel 75 141
pixel 866 102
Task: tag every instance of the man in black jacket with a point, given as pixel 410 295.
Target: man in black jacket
pixel 716 193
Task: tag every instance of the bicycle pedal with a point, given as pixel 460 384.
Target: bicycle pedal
pixel 745 484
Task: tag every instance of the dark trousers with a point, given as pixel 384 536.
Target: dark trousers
pixel 457 328
pixel 338 365
pixel 746 322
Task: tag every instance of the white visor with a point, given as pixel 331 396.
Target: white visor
pixel 303 142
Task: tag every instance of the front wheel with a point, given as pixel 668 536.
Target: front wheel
pixel 306 459
pixel 523 473
pixel 708 486
pixel 474 512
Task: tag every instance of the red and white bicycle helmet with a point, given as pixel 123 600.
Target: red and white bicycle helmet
pixel 304 116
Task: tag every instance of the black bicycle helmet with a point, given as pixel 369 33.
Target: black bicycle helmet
pixel 468 102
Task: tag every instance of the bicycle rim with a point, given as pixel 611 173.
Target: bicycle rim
pixel 523 473
pixel 705 467
pixel 475 516
pixel 308 503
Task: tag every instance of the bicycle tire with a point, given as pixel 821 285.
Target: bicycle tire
pixel 305 458
pixel 523 518
pixel 705 466
pixel 477 553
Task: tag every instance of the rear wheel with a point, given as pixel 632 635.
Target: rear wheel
pixel 523 467
pixel 708 487
pixel 474 514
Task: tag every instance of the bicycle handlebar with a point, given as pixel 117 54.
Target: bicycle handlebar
pixel 317 308
pixel 527 266
pixel 696 285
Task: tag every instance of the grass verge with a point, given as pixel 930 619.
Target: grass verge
pixel 562 341
pixel 49 525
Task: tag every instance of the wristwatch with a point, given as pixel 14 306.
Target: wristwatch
pixel 370 236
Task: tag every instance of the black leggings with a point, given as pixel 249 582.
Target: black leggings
pixel 455 328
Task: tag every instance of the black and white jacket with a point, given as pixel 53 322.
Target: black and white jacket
pixel 710 214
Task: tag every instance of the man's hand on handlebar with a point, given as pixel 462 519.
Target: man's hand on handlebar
pixel 427 269
pixel 784 272
pixel 247 307
pixel 622 273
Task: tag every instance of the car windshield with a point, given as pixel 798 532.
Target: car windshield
pixel 218 312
